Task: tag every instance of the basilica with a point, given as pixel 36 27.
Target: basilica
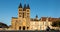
pixel 24 22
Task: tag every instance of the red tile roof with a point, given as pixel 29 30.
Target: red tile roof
pixel 44 18
pixel 49 19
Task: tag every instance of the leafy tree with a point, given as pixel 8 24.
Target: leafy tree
pixel 2 25
pixel 56 23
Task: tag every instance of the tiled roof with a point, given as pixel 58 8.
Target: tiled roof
pixel 50 19
pixel 34 19
pixel 43 18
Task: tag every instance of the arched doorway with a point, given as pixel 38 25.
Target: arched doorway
pixel 20 28
pixel 23 27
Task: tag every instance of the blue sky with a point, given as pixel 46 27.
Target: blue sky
pixel 43 8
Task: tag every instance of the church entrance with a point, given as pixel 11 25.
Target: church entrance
pixel 20 28
pixel 23 27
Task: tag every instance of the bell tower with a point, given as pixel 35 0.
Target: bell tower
pixel 28 15
pixel 20 9
pixel 23 17
pixel 24 11
pixel 28 11
pixel 20 15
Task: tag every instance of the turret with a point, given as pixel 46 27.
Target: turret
pixel 20 6
pixel 36 17
pixel 28 7
pixel 20 9
pixel 24 9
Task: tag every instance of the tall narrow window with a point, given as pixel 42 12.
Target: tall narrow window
pixel 27 14
pixel 23 15
pixel 27 10
pixel 19 15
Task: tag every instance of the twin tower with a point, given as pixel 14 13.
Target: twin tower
pixel 23 11
pixel 22 22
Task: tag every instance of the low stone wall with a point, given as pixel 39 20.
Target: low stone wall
pixel 27 31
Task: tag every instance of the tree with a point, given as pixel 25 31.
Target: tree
pixel 2 25
pixel 56 23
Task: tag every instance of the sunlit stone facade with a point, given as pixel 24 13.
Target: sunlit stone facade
pixel 39 25
pixel 24 22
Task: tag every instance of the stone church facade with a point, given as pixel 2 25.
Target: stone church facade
pixel 24 22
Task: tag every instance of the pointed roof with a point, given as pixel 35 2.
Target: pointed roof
pixel 20 6
pixel 24 7
pixel 36 16
pixel 28 7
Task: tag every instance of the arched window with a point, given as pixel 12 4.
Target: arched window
pixel 23 15
pixel 27 28
pixel 19 15
pixel 20 9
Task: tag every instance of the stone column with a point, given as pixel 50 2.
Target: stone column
pixel 21 27
pixel 25 28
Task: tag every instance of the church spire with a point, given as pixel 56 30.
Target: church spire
pixel 20 6
pixel 24 7
pixel 36 16
pixel 28 7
